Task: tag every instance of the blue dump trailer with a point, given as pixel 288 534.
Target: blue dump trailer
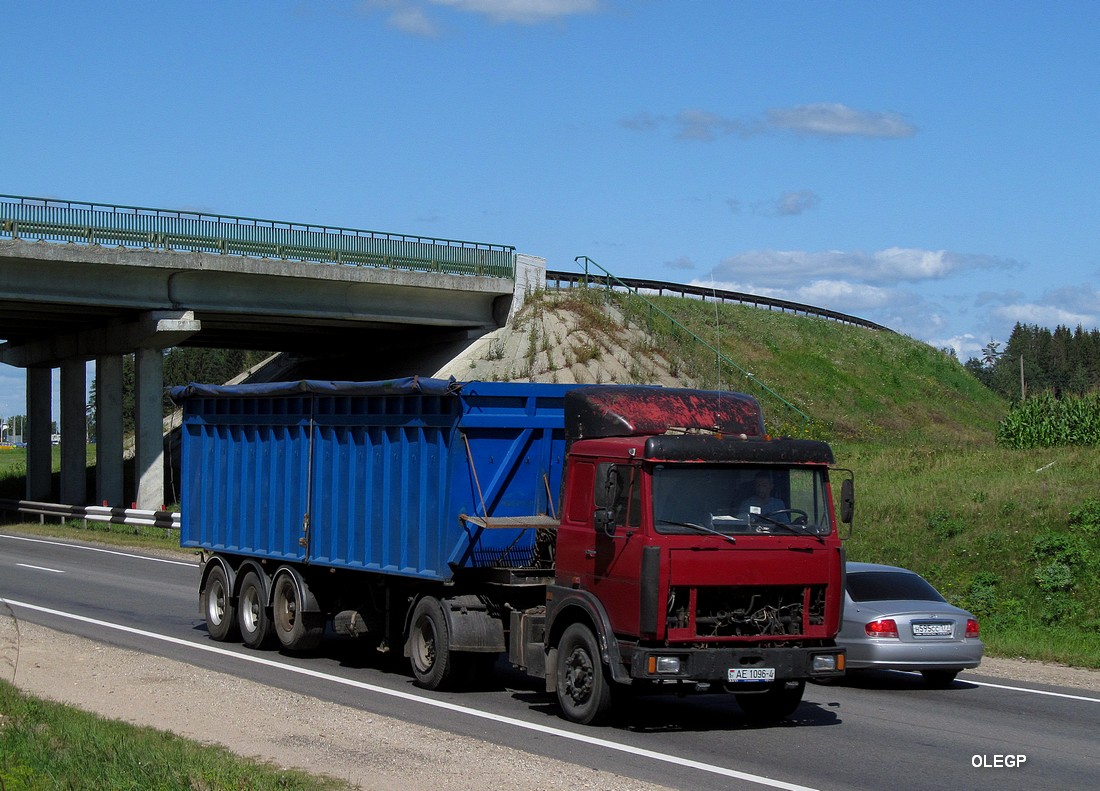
pixel 590 533
pixel 370 476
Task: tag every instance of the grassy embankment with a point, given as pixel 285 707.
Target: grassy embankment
pixel 44 745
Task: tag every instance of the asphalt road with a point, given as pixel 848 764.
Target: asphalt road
pixel 879 731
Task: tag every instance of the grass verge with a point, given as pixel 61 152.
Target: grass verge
pixel 45 745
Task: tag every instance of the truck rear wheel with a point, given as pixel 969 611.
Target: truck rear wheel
pixel 217 606
pixel 252 615
pixel 430 645
pixel 777 703
pixel 584 691
pixel 296 630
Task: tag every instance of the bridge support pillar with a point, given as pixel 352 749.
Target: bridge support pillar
pixel 39 421
pixel 108 431
pixel 149 428
pixel 74 431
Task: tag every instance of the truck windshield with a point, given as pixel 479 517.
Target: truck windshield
pixel 742 500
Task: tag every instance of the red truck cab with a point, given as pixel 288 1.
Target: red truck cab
pixel 693 550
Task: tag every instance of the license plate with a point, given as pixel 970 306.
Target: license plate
pixel 749 674
pixel 933 629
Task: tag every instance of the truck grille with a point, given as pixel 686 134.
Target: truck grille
pixel 782 610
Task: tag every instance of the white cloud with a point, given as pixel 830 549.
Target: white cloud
pixel 838 120
pixel 523 12
pixel 845 296
pixel 413 20
pixel 414 16
pixel 793 203
pixel 791 268
pixel 695 124
pixel 965 345
pixel 811 120
pixel 1044 315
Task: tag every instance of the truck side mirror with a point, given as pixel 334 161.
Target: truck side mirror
pixel 604 520
pixel 604 517
pixel 847 501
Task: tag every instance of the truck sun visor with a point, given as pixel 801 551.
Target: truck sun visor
pixel 625 411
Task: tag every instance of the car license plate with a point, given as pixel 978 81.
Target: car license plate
pixel 742 674
pixel 933 629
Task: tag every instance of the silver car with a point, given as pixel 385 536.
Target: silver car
pixel 895 620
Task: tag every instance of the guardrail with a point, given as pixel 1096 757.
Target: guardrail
pixel 659 287
pixel 135 517
pixel 48 219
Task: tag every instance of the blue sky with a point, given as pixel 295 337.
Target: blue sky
pixel 929 166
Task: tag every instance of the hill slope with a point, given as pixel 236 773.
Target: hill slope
pixel 851 382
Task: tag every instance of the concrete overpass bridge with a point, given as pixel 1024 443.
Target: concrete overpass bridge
pixel 82 282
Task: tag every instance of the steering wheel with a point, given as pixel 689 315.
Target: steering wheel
pixel 802 517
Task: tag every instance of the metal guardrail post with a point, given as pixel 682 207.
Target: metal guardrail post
pixel 134 517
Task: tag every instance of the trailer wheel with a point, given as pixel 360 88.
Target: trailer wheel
pixel 777 703
pixel 252 615
pixel 296 630
pixel 584 692
pixel 430 645
pixel 217 606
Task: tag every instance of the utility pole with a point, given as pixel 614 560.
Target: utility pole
pixel 1023 384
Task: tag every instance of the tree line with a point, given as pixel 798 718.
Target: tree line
pixel 1038 360
pixel 182 365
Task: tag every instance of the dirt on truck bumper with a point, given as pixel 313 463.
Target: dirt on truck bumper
pixel 735 666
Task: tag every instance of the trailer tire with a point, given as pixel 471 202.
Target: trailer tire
pixel 296 630
pixel 776 704
pixel 216 601
pixel 430 645
pixel 583 688
pixel 252 617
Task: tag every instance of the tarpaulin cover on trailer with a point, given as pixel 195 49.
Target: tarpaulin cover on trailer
pixel 403 386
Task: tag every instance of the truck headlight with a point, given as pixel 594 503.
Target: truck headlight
pixel 825 663
pixel 664 665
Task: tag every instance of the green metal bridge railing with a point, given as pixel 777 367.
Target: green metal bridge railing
pixel 163 229
pixel 749 381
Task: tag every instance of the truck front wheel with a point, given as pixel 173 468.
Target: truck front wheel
pixel 430 645
pixel 217 606
pixel 584 692
pixel 776 704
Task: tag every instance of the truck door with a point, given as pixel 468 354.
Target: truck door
pixel 617 548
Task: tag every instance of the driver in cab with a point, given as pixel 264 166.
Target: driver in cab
pixel 761 501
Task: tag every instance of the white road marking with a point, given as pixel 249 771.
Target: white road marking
pixel 439 704
pixel 1031 691
pixel 97 549
pixel 40 568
